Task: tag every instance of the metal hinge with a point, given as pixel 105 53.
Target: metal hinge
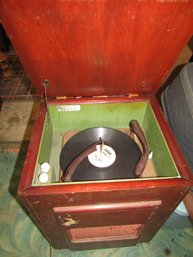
pixel 61 97
pixel 133 95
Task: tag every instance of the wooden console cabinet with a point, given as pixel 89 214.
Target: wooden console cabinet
pixel 105 60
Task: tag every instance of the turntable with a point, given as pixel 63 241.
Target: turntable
pixel 99 67
pixel 103 153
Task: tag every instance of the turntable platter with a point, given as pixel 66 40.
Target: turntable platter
pixel 118 159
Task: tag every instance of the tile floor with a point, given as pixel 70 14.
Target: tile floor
pixel 18 85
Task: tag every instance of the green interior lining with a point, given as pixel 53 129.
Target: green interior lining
pixel 46 142
pixel 95 115
pixel 114 115
pixel 163 160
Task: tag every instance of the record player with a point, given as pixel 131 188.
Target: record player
pixel 98 65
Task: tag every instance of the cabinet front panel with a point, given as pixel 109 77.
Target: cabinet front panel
pixel 110 222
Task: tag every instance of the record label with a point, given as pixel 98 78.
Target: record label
pixel 102 158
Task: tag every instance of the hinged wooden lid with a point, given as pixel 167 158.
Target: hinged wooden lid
pixel 98 47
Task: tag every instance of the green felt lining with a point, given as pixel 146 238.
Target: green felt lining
pixel 95 115
pixel 114 115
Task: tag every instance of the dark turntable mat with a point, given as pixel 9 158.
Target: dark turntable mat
pixel 126 150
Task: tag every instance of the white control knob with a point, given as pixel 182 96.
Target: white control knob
pixel 43 177
pixel 45 167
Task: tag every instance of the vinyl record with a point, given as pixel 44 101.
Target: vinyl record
pixel 117 161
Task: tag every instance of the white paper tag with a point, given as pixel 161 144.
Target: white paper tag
pixel 68 108
pixel 102 159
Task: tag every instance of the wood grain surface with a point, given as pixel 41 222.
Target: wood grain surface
pixel 97 47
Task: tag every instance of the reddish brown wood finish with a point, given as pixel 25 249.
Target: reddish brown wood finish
pixel 101 216
pixel 42 207
pixel 143 204
pixel 30 161
pixel 100 47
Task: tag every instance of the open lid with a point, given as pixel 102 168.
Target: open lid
pixel 97 47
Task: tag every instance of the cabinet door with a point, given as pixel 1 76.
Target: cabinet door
pixel 109 222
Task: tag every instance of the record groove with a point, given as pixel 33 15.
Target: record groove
pixel 126 150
